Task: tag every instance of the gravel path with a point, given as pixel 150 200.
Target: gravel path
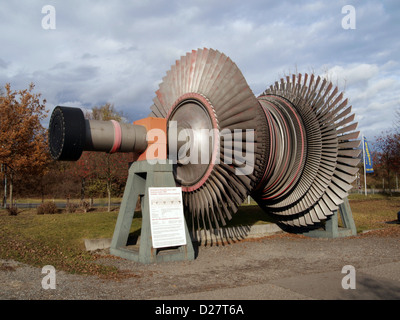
pixel 252 269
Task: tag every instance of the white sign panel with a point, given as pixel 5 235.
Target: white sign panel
pixel 166 217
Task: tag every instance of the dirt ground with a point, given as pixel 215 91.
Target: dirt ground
pixel 277 267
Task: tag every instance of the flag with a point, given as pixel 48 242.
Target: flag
pixel 367 157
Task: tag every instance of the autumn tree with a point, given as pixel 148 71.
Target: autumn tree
pixel 397 121
pixel 106 112
pixel 388 155
pixel 84 169
pixel 103 172
pixel 23 139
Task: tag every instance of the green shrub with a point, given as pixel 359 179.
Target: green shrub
pixel 47 208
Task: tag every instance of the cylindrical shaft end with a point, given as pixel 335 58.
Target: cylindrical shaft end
pixel 70 134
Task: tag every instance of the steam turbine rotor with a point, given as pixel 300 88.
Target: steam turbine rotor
pixel 293 148
pixel 305 147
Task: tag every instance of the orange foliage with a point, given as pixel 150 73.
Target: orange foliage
pixel 23 140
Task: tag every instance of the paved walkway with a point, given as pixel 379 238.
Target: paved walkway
pixel 279 267
pixel 380 282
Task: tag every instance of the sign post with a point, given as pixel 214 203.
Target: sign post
pixel 367 162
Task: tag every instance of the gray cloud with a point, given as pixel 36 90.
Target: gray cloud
pixel 118 52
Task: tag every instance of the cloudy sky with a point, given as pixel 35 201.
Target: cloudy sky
pixel 118 51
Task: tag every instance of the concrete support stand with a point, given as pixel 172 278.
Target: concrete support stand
pixel 143 176
pixel 332 229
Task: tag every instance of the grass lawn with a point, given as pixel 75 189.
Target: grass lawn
pixel 374 211
pixel 58 239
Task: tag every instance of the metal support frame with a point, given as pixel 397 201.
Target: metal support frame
pixel 332 229
pixel 143 176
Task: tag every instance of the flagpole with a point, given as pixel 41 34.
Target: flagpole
pixel 365 171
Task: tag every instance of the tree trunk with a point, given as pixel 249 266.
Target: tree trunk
pixel 109 196
pixel 108 163
pixel 83 189
pixel 11 189
pixel 5 187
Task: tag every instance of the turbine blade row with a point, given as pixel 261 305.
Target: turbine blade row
pixel 331 148
pixel 304 143
pixel 231 105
